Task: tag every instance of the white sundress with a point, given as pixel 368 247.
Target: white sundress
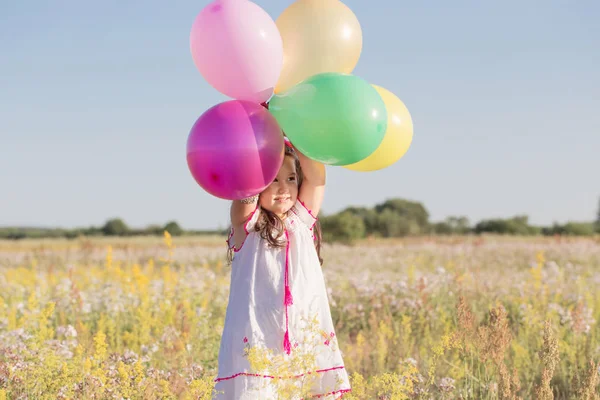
pixel 278 307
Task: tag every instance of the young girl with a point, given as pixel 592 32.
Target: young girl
pixel 278 301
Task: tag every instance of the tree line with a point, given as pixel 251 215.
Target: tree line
pixel 112 227
pixel 392 218
pixel 400 217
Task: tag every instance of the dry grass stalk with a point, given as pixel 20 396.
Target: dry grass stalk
pixel 508 385
pixel 494 339
pixel 585 386
pixel 466 322
pixel 550 358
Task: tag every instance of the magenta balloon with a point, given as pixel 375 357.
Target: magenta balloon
pixel 235 149
pixel 238 49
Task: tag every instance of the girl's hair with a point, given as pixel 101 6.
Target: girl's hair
pixel 268 222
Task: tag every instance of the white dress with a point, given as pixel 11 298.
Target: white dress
pixel 278 312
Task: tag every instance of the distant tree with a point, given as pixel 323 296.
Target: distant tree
pixel 342 227
pixel 369 217
pixel 598 218
pixel 534 230
pixel 393 224
pixel 115 227
pixel 452 225
pixel 518 225
pixel 173 228
pixel 579 228
pixel 408 209
pixel 570 228
pixel 442 228
pixel 460 225
pixel 92 231
pixel 73 233
pixel 12 233
pixel 156 230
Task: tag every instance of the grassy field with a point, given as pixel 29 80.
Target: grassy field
pixel 451 318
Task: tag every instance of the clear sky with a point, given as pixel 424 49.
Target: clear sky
pixel 97 99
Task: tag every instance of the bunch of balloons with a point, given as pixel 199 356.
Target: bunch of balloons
pixel 302 66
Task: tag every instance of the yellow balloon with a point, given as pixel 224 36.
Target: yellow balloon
pixel 318 36
pixel 397 139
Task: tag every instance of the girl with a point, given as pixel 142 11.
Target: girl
pixel 278 306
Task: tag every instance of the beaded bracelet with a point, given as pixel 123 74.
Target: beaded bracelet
pixel 250 200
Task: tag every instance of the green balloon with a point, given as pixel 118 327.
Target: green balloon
pixel 337 119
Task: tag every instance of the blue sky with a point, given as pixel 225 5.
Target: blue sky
pixel 97 100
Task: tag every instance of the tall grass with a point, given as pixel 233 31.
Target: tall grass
pixel 468 318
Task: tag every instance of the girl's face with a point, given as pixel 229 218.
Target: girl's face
pixel 281 195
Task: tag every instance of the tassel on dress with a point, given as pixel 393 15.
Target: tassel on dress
pixel 286 343
pixel 289 300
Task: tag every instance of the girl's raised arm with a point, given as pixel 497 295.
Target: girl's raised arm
pixel 313 185
pixel 241 210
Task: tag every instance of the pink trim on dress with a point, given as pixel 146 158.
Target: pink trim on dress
pixel 278 377
pixel 311 215
pixel 228 241
pixel 341 391
pixel 306 208
pixel 245 230
pixel 287 299
pixel 250 219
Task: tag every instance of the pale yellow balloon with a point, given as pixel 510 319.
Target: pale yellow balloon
pixel 318 36
pixel 398 136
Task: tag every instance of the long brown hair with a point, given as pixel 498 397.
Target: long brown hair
pixel 269 223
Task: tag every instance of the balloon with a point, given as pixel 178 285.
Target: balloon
pixel 235 149
pixel 318 36
pixel 333 118
pixel 397 139
pixel 237 48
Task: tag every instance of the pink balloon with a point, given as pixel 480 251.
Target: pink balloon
pixel 237 48
pixel 235 149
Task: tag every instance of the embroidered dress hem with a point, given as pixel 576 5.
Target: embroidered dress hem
pixel 326 384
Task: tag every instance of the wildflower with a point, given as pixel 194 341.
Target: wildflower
pixel 100 346
pixel 4 375
pixel 129 357
pixel 582 319
pixel 196 371
pixel 86 308
pixel 446 385
pixel 67 331
pixel 410 361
